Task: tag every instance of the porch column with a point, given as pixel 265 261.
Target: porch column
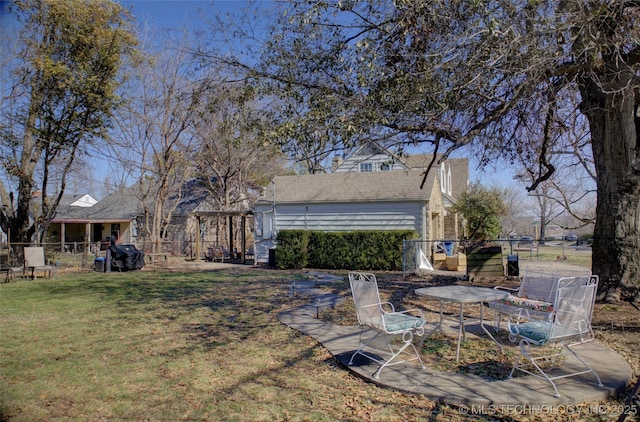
pixel 197 237
pixel 231 236
pixel 243 240
pixel 87 240
pixel 63 229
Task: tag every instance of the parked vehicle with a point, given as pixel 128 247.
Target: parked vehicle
pixel 527 242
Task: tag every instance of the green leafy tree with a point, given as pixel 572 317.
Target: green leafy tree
pixel 482 209
pixel 57 98
pixel 501 79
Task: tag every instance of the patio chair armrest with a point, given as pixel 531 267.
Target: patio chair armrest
pixel 413 312
pixel 506 289
pixel 388 305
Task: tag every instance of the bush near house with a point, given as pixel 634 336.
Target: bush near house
pixel 292 251
pixel 362 250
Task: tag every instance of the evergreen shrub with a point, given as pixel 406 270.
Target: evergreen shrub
pixel 373 250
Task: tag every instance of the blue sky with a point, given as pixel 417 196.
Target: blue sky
pixel 172 13
pixel 163 14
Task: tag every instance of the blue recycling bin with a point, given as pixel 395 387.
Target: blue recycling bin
pixel 99 264
pixel 448 247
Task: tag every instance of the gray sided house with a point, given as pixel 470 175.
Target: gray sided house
pixel 348 201
pixel 196 222
pixel 114 215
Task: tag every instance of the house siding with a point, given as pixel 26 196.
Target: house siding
pixel 436 211
pixel 379 162
pixel 350 201
pixel 349 217
pixel 336 218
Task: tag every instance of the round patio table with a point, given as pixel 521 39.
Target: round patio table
pixel 462 295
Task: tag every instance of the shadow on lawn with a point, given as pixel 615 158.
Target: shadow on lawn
pixel 212 307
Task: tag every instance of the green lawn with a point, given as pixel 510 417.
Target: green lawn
pixel 153 345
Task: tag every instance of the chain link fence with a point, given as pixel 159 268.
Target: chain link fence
pixel 455 257
pixel 493 257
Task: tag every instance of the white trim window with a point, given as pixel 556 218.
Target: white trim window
pixel 366 167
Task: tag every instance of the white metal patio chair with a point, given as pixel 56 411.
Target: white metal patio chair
pixel 535 295
pixel 568 326
pixel 380 320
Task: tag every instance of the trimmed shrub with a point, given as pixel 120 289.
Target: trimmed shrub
pixel 362 250
pixel 291 252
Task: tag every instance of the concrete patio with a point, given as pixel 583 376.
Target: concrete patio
pixel 450 387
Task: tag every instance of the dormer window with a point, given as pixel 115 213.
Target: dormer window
pixel 445 178
pixel 366 167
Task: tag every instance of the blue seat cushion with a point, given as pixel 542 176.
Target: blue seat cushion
pixel 538 331
pixel 402 322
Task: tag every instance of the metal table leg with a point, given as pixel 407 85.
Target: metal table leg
pixel 485 328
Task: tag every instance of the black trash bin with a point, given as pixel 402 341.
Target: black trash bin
pixel 272 258
pixel 99 264
pixel 512 266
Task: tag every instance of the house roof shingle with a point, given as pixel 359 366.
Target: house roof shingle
pixel 459 169
pixel 351 187
pixel 119 206
pixel 125 205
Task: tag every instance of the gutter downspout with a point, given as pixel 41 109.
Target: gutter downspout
pixel 274 228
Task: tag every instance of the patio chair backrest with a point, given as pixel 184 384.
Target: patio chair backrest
pixel 539 285
pixel 34 256
pixel 574 309
pixel 366 297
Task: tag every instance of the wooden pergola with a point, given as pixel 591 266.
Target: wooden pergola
pixel 229 214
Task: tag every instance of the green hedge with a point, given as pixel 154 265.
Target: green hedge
pixel 361 250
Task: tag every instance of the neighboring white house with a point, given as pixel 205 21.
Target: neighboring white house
pixel 196 222
pixel 452 173
pixel 371 190
pixel 84 201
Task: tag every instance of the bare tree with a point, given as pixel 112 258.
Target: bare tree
pixel 516 208
pixel 572 186
pixel 546 211
pixel 155 141
pixel 233 159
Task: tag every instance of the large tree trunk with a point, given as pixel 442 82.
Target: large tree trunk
pixel 615 127
pixel 22 228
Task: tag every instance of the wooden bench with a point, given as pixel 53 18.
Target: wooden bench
pixel 216 253
pixel 9 273
pixel 12 272
pixel 154 257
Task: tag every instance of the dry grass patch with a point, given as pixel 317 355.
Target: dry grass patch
pixel 170 345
